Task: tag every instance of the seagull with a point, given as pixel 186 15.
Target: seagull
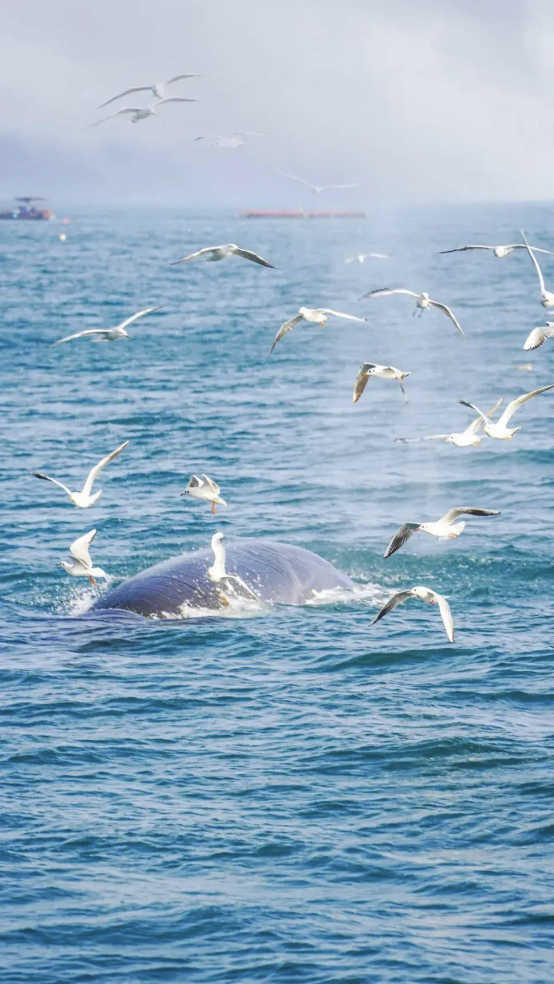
pixel 214 253
pixel 368 369
pixel 422 301
pixel 207 489
pixel 157 89
pixel 361 257
pixel 317 189
pixel 526 367
pixel 109 334
pixel 538 336
pixel 444 528
pixel 81 566
pixel 317 316
pixel 217 572
pixel 462 439
pixel 547 297
pixel 84 499
pixel 422 594
pixel 142 112
pixel 499 430
pixel 232 141
pixel 499 251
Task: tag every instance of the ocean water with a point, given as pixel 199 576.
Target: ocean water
pixel 288 795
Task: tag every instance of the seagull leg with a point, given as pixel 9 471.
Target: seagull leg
pixel 91 579
pixel 213 508
pixel 403 390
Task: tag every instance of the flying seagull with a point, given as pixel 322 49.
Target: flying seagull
pixel 538 336
pixel 444 528
pixel 499 251
pixel 207 490
pixel 547 297
pixel 368 369
pixel 317 189
pixel 214 253
pixel 422 594
pixel 81 565
pixel 462 439
pixel 109 334
pixel 233 140
pixel 361 257
pixel 218 574
pixel 157 89
pixel 422 301
pixel 499 430
pixel 84 499
pixel 316 316
pixel 142 112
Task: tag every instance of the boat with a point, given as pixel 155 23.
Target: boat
pixel 26 210
pixel 300 213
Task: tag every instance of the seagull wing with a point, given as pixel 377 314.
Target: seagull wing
pixel 47 478
pixel 213 485
pixel 461 249
pixel 453 514
pixel 248 593
pixel 496 406
pixel 192 256
pixel 175 99
pixel 135 88
pixel 81 334
pixel 362 380
pixel 339 314
pixel 444 609
pixel 247 254
pixel 538 336
pixel 535 261
pixel 284 329
pixel 384 291
pixel 119 112
pixel 79 549
pixel 293 177
pixel 516 404
pixel 139 314
pixel 472 406
pixel 449 313
pixel 396 599
pixel 401 536
pixel 94 472
pixel 195 482
pixel 176 78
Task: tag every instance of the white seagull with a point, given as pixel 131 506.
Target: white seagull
pixel 84 499
pixel 547 297
pixel 157 89
pixel 142 112
pixel 499 430
pixel 214 253
pixel 81 565
pixel 316 316
pixel 368 369
pixel 462 439
pixel 422 594
pixel 233 140
pixel 207 490
pixel 538 336
pixel 499 251
pixel 444 528
pixel 422 301
pixel 109 334
pixel 361 257
pixel 217 572
pixel 317 189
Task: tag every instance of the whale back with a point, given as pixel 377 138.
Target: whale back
pixel 278 573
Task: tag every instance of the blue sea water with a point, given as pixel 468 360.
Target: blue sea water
pixel 289 796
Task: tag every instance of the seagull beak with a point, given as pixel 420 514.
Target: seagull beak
pixel 184 493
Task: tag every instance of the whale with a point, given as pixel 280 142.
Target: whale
pixel 277 573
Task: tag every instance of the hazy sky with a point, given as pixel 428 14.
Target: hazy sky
pixel 415 99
